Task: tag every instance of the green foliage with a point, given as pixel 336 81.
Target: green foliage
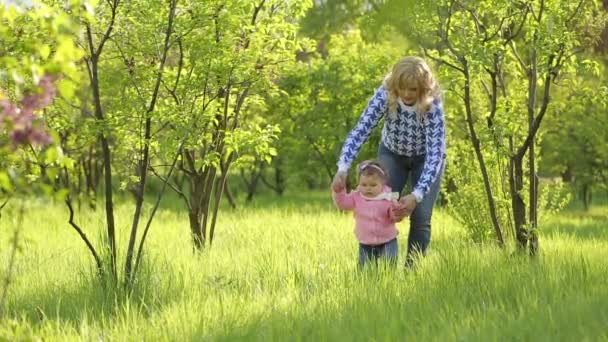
pixel 465 193
pixel 35 42
pixel 331 17
pixel 221 71
pixel 575 142
pixel 553 198
pixel 321 101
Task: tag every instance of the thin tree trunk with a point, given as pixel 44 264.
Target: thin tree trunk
pixel 221 183
pixel 107 159
pixel 99 115
pixel 229 195
pixel 482 165
pixel 145 161
pixel 586 196
pixel 533 195
pixel 154 209
pixel 252 182
pixel 206 199
pixel 279 181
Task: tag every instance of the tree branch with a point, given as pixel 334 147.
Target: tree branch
pixel 106 35
pixel 510 38
pixel 522 64
pixel 173 187
pixel 575 13
pixel 158 198
pixel 83 236
pixel 442 61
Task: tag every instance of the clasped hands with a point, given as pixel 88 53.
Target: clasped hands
pixel 402 208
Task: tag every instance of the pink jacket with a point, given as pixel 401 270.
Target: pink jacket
pixel 374 224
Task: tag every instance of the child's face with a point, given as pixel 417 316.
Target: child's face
pixel 370 185
pixel 409 95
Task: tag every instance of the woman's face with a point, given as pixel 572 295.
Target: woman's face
pixel 409 95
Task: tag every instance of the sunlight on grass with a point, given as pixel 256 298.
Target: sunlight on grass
pixel 289 273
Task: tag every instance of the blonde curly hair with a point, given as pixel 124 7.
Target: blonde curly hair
pixel 410 71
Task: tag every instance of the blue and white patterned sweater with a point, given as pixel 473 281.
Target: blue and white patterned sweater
pixel 403 134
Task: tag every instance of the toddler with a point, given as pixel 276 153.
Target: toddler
pixel 372 203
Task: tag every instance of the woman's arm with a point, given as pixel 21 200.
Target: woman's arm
pixel 375 109
pixel 435 150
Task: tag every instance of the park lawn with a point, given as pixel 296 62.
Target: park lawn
pixel 288 272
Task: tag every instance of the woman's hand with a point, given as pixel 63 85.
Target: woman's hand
pixel 339 183
pixel 405 207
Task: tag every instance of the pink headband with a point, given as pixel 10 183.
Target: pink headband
pixel 365 165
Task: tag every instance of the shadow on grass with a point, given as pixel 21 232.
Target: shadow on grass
pixel 461 301
pixel 579 226
pixel 88 298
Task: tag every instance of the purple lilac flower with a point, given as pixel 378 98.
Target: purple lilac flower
pixel 22 124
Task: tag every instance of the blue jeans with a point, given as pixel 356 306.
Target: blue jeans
pixel 399 169
pixel 388 250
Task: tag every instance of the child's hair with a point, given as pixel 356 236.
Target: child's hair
pixel 373 167
pixel 412 71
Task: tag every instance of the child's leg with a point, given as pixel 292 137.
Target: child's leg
pixel 390 252
pixel 367 253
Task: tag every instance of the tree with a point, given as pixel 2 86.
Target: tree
pixel 227 58
pixel 501 59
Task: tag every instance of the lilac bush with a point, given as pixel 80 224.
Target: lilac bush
pixel 20 122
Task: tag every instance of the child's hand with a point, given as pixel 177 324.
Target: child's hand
pixel 399 211
pixel 339 183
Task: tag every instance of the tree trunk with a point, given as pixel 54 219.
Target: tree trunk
pixel 517 202
pixel 482 164
pixel 93 68
pixel 220 183
pixel 279 180
pixel 144 162
pixel 195 212
pixel 229 195
pixel 311 184
pixel 200 198
pixel 533 239
pixel 252 182
pixel 586 196
pixel 567 175
pixel 91 168
pixel 533 191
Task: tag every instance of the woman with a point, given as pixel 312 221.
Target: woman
pixel 412 145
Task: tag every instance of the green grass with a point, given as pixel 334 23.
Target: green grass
pixel 288 272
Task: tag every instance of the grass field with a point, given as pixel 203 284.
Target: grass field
pixel 288 273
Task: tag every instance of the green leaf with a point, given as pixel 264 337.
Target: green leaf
pixel 5 182
pixel 66 88
pixel 44 50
